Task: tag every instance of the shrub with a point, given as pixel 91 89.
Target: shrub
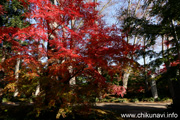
pixel 134 100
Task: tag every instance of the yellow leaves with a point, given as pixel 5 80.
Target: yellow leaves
pixel 52 103
pixel 63 112
pixel 10 87
pixel 38 112
pixel 101 111
pixel 30 75
pixel 68 95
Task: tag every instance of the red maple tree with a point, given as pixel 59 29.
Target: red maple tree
pixel 65 40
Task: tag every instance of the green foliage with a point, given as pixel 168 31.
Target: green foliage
pixel 166 99
pixel 122 100
pixel 14 14
pixel 134 100
pixel 151 99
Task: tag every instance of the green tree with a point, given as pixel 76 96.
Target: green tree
pixel 163 23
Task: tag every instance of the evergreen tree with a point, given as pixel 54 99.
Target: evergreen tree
pixel 163 21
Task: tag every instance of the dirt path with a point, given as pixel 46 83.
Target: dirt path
pixel 124 107
pixel 134 107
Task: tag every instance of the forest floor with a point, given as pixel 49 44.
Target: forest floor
pixel 117 109
pixel 135 108
pixel 131 107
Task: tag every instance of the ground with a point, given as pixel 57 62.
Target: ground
pixel 111 111
pixel 135 107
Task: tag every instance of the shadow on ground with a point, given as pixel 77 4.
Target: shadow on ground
pixel 135 108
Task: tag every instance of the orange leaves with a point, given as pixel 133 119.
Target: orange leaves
pixel 31 75
pixel 10 87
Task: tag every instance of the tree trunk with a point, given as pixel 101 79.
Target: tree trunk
pixel 2 74
pixel 72 81
pixel 38 87
pixel 176 98
pixel 17 67
pixel 154 87
pixel 37 90
pixel 171 89
pixel 126 77
pixel 2 60
pixel 145 76
pixel 48 86
pixel 100 93
pixel 176 84
pixel 176 39
pixel 3 54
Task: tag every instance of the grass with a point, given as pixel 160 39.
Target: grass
pixel 115 99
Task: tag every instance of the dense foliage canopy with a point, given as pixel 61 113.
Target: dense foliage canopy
pixel 62 46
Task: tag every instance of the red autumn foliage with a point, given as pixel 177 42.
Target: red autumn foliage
pixel 141 89
pixel 175 63
pixel 65 41
pixel 91 44
pixel 1 10
pixel 118 90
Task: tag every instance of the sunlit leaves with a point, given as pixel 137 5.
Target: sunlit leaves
pixel 118 90
pixel 65 41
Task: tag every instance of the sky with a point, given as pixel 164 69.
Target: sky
pixel 110 14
